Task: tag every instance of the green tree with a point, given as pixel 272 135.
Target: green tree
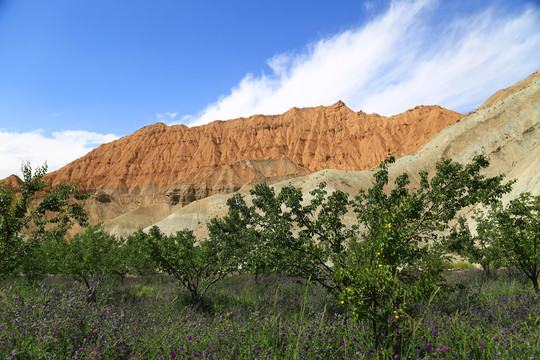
pixel 196 266
pixel 241 244
pixel 36 264
pixel 476 249
pixel 398 260
pixel 50 214
pixel 91 256
pixel 137 259
pixel 281 234
pixel 518 225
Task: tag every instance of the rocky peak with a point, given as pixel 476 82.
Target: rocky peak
pixel 185 164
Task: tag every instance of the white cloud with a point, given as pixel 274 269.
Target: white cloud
pixel 369 5
pixel 166 116
pixel 56 150
pixel 410 55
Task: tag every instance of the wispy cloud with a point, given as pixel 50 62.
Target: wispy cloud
pixel 56 150
pixel 369 5
pixel 167 116
pixel 410 55
pixel 171 118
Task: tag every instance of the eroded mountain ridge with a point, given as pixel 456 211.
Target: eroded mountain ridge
pixel 188 164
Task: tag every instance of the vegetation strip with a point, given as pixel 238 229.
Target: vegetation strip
pixel 382 277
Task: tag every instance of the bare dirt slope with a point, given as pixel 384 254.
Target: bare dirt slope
pixel 12 181
pixel 506 129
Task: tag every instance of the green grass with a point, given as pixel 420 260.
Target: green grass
pixel 272 317
pixel 461 265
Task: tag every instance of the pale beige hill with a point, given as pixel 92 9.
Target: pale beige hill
pixel 140 218
pixel 193 216
pixel 507 131
pixel 503 93
pixel 196 215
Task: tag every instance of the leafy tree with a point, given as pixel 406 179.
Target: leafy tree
pixel 196 266
pixel 91 256
pixel 519 227
pixel 398 259
pixel 58 208
pixel 137 259
pixel 476 249
pixel 280 234
pixel 241 244
pixel 36 264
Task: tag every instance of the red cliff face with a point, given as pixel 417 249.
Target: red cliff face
pixel 191 163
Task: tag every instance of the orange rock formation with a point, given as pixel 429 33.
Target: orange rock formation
pixel 12 181
pixel 186 164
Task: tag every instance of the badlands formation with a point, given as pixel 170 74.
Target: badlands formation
pixel 189 164
pixel 506 129
pixel 142 178
pixel 12 181
pixel 178 177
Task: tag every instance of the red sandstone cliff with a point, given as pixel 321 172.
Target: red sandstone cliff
pixel 192 163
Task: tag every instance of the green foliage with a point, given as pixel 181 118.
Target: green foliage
pixel 52 216
pixel 476 249
pixel 241 243
pixel 399 258
pixel 459 265
pixel 390 260
pixel 278 234
pixel 137 259
pixel 196 266
pixel 91 256
pixel 36 261
pixel 518 229
pixel 506 236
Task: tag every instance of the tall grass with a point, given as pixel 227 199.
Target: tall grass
pixel 270 317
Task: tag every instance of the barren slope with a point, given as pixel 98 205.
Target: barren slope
pixel 506 129
pixel 143 177
pixel 192 163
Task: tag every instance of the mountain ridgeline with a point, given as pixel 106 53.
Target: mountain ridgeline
pixel 178 177
pixel 192 163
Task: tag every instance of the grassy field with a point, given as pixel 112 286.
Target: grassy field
pixel 472 317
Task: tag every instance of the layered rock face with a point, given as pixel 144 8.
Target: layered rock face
pixel 186 164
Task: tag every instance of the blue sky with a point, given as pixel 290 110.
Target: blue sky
pixel 75 74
